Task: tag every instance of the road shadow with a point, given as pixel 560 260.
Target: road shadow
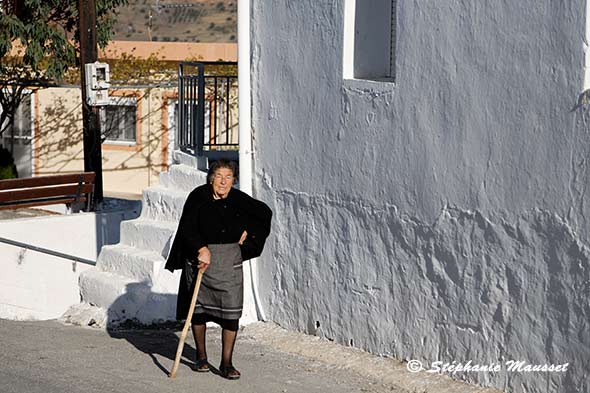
pixel 158 341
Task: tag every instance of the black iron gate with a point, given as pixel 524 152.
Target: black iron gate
pixel 207 115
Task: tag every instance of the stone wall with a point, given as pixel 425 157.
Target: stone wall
pixel 443 217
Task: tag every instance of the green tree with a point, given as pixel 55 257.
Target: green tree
pixel 39 43
pixel 7 167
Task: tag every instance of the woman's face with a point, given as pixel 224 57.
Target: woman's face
pixel 223 180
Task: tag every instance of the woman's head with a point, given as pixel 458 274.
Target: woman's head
pixel 222 174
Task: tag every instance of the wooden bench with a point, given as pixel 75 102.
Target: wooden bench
pixel 71 189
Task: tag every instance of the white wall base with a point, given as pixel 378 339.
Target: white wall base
pixel 38 286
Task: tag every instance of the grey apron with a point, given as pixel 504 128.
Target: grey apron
pixel 222 287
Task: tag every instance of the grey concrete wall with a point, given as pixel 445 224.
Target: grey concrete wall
pixel 440 218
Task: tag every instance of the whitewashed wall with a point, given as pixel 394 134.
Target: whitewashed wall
pixel 441 218
pixel 38 286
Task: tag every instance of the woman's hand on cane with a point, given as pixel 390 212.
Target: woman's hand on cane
pixel 204 258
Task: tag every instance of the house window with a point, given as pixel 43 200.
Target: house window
pixel 118 120
pixel 18 138
pixel 21 132
pixel 369 39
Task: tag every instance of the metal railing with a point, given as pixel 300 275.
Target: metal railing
pixel 207 116
pixel 47 251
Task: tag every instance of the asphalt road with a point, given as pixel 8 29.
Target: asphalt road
pixel 50 357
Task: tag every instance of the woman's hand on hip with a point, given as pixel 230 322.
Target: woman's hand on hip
pixel 243 237
pixel 204 258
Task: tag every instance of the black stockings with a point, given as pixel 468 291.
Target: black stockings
pixel 228 341
pixel 199 334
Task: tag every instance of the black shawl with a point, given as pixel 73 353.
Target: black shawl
pixel 256 216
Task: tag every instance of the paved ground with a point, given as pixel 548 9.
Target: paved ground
pixel 50 357
pixel 110 203
pixel 24 213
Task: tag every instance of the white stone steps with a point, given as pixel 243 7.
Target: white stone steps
pixel 129 281
pixel 162 204
pixel 182 178
pixel 123 299
pixel 100 288
pixel 164 179
pixel 130 262
pixel 148 235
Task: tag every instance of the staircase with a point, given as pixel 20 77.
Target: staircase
pixel 129 281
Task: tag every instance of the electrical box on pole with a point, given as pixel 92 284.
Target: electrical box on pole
pixel 97 83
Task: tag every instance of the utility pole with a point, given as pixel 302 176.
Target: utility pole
pixel 90 117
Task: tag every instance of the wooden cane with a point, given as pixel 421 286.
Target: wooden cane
pixel 186 325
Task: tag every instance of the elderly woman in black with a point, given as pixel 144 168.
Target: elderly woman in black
pixel 220 227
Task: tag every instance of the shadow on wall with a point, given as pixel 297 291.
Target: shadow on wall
pixel 59 132
pixel 60 140
pixel 140 303
pixel 108 226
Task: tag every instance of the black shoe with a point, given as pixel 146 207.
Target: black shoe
pixel 229 372
pixel 202 366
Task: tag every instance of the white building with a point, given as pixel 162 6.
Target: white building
pixel 427 163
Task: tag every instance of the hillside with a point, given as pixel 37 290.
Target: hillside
pixel 178 20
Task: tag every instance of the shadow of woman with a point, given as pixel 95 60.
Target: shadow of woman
pixel 157 341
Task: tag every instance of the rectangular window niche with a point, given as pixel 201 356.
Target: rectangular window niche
pixel 369 40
